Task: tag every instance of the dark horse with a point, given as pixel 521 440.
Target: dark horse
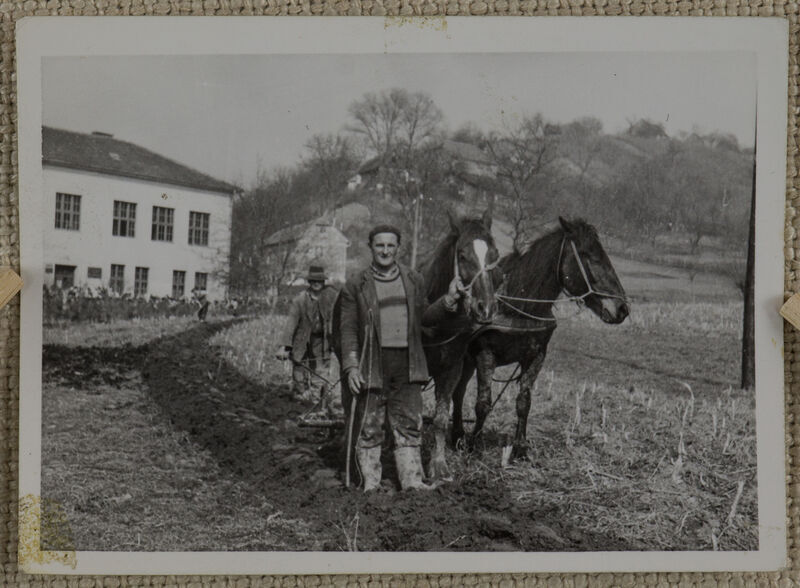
pixel 468 249
pixel 569 259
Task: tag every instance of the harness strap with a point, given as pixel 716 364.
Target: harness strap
pixel 589 289
pixel 525 314
pixel 483 270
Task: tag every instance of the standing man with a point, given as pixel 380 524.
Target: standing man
pixel 202 300
pixel 306 337
pixel 383 361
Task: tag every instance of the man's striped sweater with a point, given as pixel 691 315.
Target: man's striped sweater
pixel 393 306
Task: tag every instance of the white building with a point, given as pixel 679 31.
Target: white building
pixel 129 220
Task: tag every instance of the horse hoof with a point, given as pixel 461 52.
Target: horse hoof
pixel 475 443
pixel 519 453
pixel 456 437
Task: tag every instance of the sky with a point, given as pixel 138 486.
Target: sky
pixel 231 116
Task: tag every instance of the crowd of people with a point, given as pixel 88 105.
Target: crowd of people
pixel 87 304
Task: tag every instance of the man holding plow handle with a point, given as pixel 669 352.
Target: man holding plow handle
pixel 383 309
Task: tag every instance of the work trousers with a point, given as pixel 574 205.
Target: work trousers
pixel 399 402
pixel 314 359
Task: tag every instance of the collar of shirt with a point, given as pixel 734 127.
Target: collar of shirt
pixel 385 274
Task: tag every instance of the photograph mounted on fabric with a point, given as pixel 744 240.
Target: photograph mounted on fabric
pixel 413 294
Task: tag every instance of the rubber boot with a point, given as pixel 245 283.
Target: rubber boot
pixel 369 462
pixel 409 468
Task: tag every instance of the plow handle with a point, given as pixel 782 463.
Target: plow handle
pixel 350 440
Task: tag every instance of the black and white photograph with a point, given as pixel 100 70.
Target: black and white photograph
pixel 391 289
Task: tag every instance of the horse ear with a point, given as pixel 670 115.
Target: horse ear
pixel 453 219
pixel 565 224
pixel 486 219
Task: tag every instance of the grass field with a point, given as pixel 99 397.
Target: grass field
pixel 637 430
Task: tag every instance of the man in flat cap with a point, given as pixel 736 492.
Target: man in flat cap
pixel 307 334
pixel 383 362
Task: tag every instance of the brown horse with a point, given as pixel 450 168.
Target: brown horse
pixel 469 250
pixel 569 259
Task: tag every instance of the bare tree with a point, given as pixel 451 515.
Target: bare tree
pixel 258 214
pixel 521 155
pixel 330 160
pixel 581 141
pixel 395 121
pixel 401 128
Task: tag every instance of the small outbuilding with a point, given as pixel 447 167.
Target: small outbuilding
pixel 291 251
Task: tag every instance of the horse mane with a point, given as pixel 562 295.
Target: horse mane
pixel 530 272
pixel 583 230
pixel 439 267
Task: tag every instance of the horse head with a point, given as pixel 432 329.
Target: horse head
pixel 468 251
pixel 585 272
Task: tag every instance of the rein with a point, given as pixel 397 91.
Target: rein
pixel 570 297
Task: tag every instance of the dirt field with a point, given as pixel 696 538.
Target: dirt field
pixel 186 439
pixel 247 435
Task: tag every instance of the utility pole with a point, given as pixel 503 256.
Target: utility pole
pixel 748 327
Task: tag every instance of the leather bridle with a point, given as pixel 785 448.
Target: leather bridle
pixel 578 299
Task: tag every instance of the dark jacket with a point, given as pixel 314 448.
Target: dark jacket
pixel 361 330
pixel 297 332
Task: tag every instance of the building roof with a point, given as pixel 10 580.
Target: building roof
pixel 456 149
pixel 102 153
pixel 466 151
pixel 370 166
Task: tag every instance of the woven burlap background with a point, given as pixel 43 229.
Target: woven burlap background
pixel 10 12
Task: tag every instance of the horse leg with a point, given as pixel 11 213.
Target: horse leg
pixel 457 434
pixel 484 364
pixel 444 391
pixel 523 406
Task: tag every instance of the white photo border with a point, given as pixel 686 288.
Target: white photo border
pixel 41 37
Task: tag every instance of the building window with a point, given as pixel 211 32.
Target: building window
pixel 124 219
pixel 68 211
pixel 178 283
pixel 65 276
pixel 162 223
pixel 200 280
pixel 95 273
pixel 140 281
pixel 198 228
pixel 117 281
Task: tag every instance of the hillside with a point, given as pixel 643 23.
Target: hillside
pixel 682 203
